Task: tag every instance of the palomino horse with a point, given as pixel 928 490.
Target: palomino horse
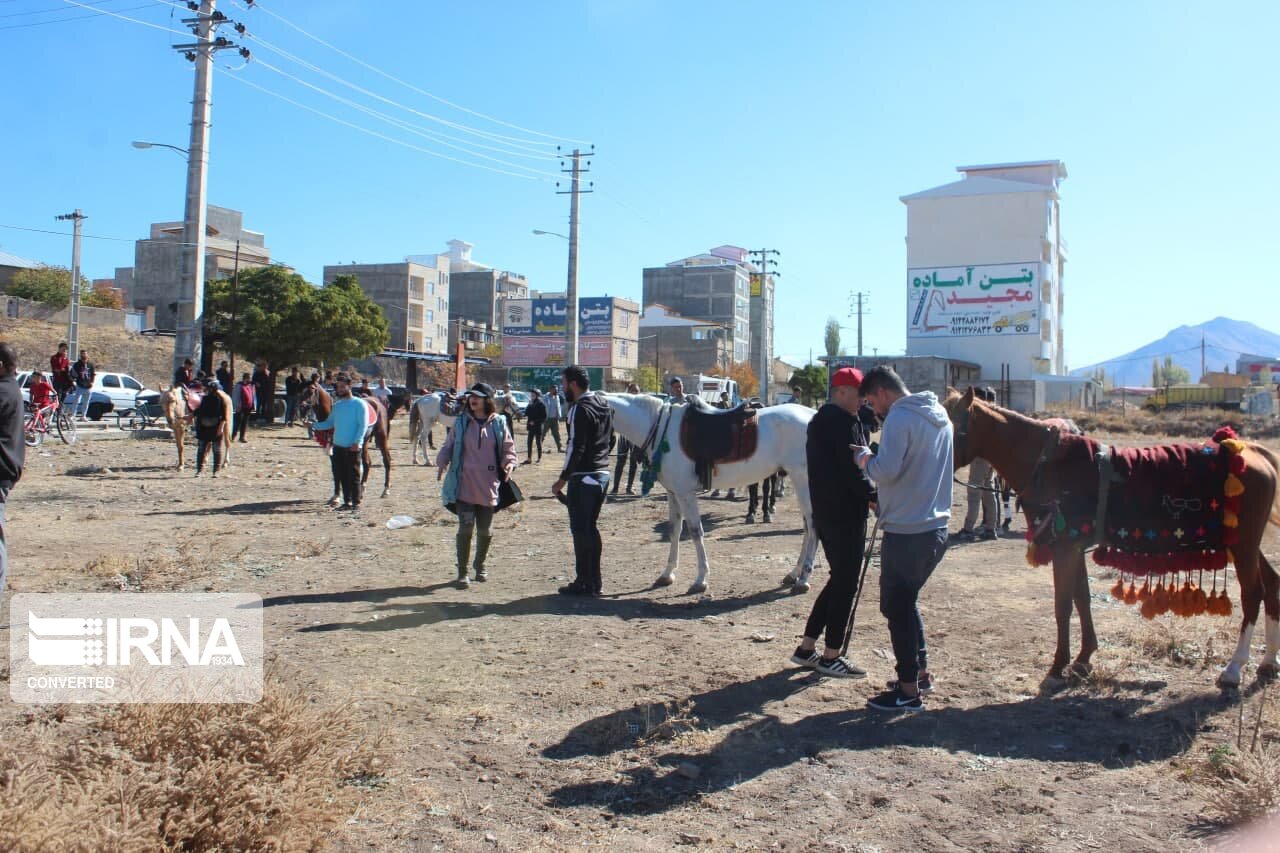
pixel 175 403
pixel 1025 452
pixel 649 424
pixel 423 415
pixel 315 397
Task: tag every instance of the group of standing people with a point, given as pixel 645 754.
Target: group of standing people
pixel 72 381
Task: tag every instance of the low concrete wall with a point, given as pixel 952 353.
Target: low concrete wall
pixel 103 318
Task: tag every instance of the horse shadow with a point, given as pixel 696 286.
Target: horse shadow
pixel 1111 731
pixel 758 530
pixel 253 508
pixel 402 615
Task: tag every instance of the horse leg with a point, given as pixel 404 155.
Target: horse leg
pixel 1064 585
pixel 694 518
pixel 1270 666
pixel 1250 578
pixel 386 466
pixel 1088 637
pixel 675 523
pixel 798 577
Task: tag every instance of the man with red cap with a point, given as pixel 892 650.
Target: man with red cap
pixel 841 496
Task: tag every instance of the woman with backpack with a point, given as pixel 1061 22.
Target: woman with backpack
pixel 477 455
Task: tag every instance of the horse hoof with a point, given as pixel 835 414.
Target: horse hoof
pixel 1267 672
pixel 386 492
pixel 1052 683
pixel 1079 670
pixel 1227 682
pixel 800 587
pixel 664 580
pixel 788 580
pixel 697 588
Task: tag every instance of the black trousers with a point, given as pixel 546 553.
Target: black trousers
pixel 346 469
pixel 535 435
pixel 584 502
pixel 906 562
pixel 204 440
pixel 239 423
pixel 843 542
pixel 753 494
pixel 626 451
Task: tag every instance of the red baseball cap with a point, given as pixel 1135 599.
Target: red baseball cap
pixel 847 377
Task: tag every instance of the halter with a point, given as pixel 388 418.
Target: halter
pixel 652 437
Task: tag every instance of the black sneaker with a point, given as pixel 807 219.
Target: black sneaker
pixel 924 685
pixel 838 667
pixel 897 701
pixel 578 589
pixel 804 658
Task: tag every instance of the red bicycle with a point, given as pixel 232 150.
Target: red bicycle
pixel 38 423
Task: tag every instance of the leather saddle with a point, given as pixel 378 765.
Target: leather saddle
pixel 712 437
pixel 193 399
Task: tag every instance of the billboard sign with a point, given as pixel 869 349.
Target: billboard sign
pixel 543 378
pixel 546 317
pixel 974 301
pixel 547 350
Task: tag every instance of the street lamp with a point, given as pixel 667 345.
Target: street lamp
pixel 138 143
pixel 571 291
pixel 539 232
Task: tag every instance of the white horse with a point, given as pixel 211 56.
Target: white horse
pixel 424 414
pixel 646 421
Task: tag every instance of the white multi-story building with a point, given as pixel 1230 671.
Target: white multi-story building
pixel 985 259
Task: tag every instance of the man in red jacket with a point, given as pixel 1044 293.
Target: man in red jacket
pixel 60 371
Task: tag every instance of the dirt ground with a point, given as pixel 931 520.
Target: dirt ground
pixel 650 718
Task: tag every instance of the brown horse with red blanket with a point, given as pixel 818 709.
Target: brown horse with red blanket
pixel 1159 513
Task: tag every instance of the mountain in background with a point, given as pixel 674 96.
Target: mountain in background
pixel 1225 340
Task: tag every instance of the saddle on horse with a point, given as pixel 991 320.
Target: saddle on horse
pixel 713 437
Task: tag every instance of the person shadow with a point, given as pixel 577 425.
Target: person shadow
pixel 1111 731
pixel 394 615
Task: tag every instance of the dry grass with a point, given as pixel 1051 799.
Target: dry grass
pixel 1193 423
pixel 1241 780
pixel 276 775
pixel 1180 641
pixel 188 564
pixel 313 548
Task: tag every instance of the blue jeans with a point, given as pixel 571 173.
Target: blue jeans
pixel 78 400
pixel 906 562
pixel 585 500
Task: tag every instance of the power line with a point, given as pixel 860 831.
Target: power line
pixel 375 133
pixel 411 87
pixel 53 10
pixel 67 233
pixel 94 14
pixel 126 18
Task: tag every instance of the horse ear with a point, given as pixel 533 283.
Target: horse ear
pixel 968 396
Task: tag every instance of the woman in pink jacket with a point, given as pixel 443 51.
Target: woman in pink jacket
pixel 477 456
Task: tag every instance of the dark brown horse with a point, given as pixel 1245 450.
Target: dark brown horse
pixel 1018 448
pixel 315 397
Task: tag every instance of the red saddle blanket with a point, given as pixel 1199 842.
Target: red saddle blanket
pixel 1165 505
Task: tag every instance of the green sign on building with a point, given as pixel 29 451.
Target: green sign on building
pixel 542 378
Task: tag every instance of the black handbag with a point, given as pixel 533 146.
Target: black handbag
pixel 509 493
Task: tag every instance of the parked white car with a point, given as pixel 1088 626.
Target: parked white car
pixel 110 392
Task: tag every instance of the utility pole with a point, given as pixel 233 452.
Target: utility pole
pixel 235 294
pixel 571 290
pixel 190 322
pixel 1202 356
pixel 856 308
pixel 764 358
pixel 73 310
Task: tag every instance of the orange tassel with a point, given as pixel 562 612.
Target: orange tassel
pixel 1145 592
pixel 1230 519
pixel 1233 486
pixel 1130 594
pixel 1224 606
pixel 1148 609
pixel 1160 599
pixel 1117 591
pixel 1202 602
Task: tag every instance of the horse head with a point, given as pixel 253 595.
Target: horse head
pixel 960 410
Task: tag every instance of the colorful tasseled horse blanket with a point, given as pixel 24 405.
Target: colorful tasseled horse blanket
pixel 1168 508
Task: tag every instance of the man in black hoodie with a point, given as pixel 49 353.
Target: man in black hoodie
pixel 841 495
pixel 586 473
pixel 12 449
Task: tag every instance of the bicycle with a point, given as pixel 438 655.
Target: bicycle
pixel 141 416
pixel 36 425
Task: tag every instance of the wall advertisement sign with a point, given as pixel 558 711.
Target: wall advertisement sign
pixel 546 350
pixel 543 378
pixel 546 317
pixel 974 301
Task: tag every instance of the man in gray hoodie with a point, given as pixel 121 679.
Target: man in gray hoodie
pixel 912 470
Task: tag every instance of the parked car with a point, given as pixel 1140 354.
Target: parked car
pixel 521 398
pixel 99 403
pixel 124 391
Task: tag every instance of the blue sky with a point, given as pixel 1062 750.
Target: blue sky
pixel 761 124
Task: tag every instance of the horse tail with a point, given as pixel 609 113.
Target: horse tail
pixel 1274 461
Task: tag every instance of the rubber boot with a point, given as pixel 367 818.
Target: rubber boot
pixel 482 551
pixel 464 554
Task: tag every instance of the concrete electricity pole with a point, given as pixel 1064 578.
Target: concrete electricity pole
pixel 857 308
pixel 190 321
pixel 764 358
pixel 571 290
pixel 73 310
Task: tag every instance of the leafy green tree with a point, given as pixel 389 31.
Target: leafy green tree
pixel 809 384
pixel 831 337
pixel 282 318
pixel 101 297
pixel 646 376
pixel 1173 374
pixel 50 285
